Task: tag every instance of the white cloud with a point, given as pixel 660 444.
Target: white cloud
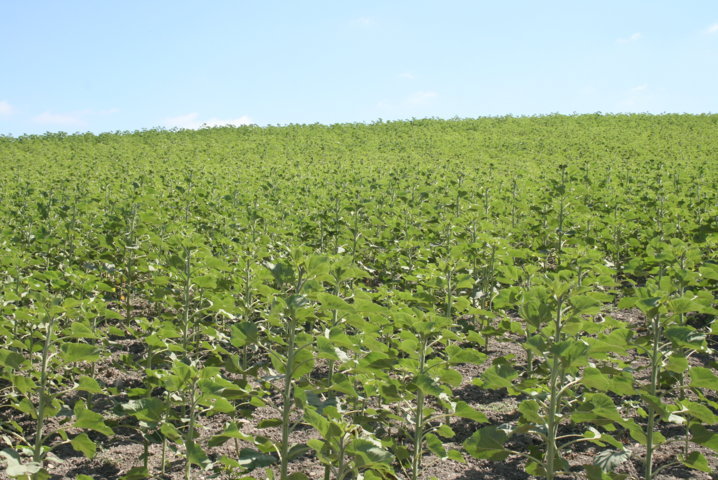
pixel 640 88
pixel 407 76
pixel 78 118
pixel 60 119
pixel 713 29
pixel 364 22
pixel 191 121
pixel 632 38
pixel 420 98
pixel 6 108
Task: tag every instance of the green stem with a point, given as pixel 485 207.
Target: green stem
pixel 655 368
pixel 189 436
pixel 186 301
pixel 553 407
pixel 287 395
pixel 42 404
pixel 419 418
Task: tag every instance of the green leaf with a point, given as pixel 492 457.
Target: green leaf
pixel 298 476
pixel 369 454
pixel 10 359
pixel 435 445
pixel 700 411
pixel 297 451
pixel 145 409
pixel 427 385
pixel 244 333
pixel 702 436
pixel 686 337
pixel 499 376
pixel 702 377
pixel 136 473
pixel 464 410
pixel 608 460
pixel 231 431
pixel 677 364
pixel 80 330
pixel 696 461
pixel 79 352
pixel 445 431
pixel 88 384
pixel 530 411
pixel 84 445
pixel 88 419
pixel 593 378
pixel 457 355
pixel 448 376
pixel 170 432
pixel 487 443
pixel 585 305
pixel 332 302
pixel 252 459
pixel 594 472
pixel 269 423
pixel 197 456
pixel 15 467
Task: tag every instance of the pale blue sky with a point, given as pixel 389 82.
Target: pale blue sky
pixel 107 65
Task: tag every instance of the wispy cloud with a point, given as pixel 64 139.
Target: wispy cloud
pixel 364 22
pixel 5 108
pixel 192 121
pixel 632 38
pixel 712 30
pixel 60 119
pixel 420 98
pixel 640 88
pixel 78 118
pixel 407 76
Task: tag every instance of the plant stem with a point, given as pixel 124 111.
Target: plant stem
pixel 419 418
pixel 655 367
pixel 287 395
pixel 37 449
pixel 554 393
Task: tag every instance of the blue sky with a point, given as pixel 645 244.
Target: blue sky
pixel 127 65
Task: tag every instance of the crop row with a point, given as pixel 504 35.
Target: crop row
pixel 343 280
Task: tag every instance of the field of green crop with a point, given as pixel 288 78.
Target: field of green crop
pixel 498 298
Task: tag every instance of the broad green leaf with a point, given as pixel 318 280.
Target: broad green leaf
pixel 702 436
pixel 252 459
pixel 79 352
pixel 608 460
pixel 487 443
pixel 88 419
pixel 686 337
pixel 84 445
pixel 464 410
pixel 244 333
pixel 702 377
pixel 136 473
pixel 269 423
pixel 170 432
pixel 499 376
pixel 368 454
pixel 530 411
pixel 88 384
pixel 435 445
pixel 15 467
pixel 197 456
pixel 10 359
pixel 697 461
